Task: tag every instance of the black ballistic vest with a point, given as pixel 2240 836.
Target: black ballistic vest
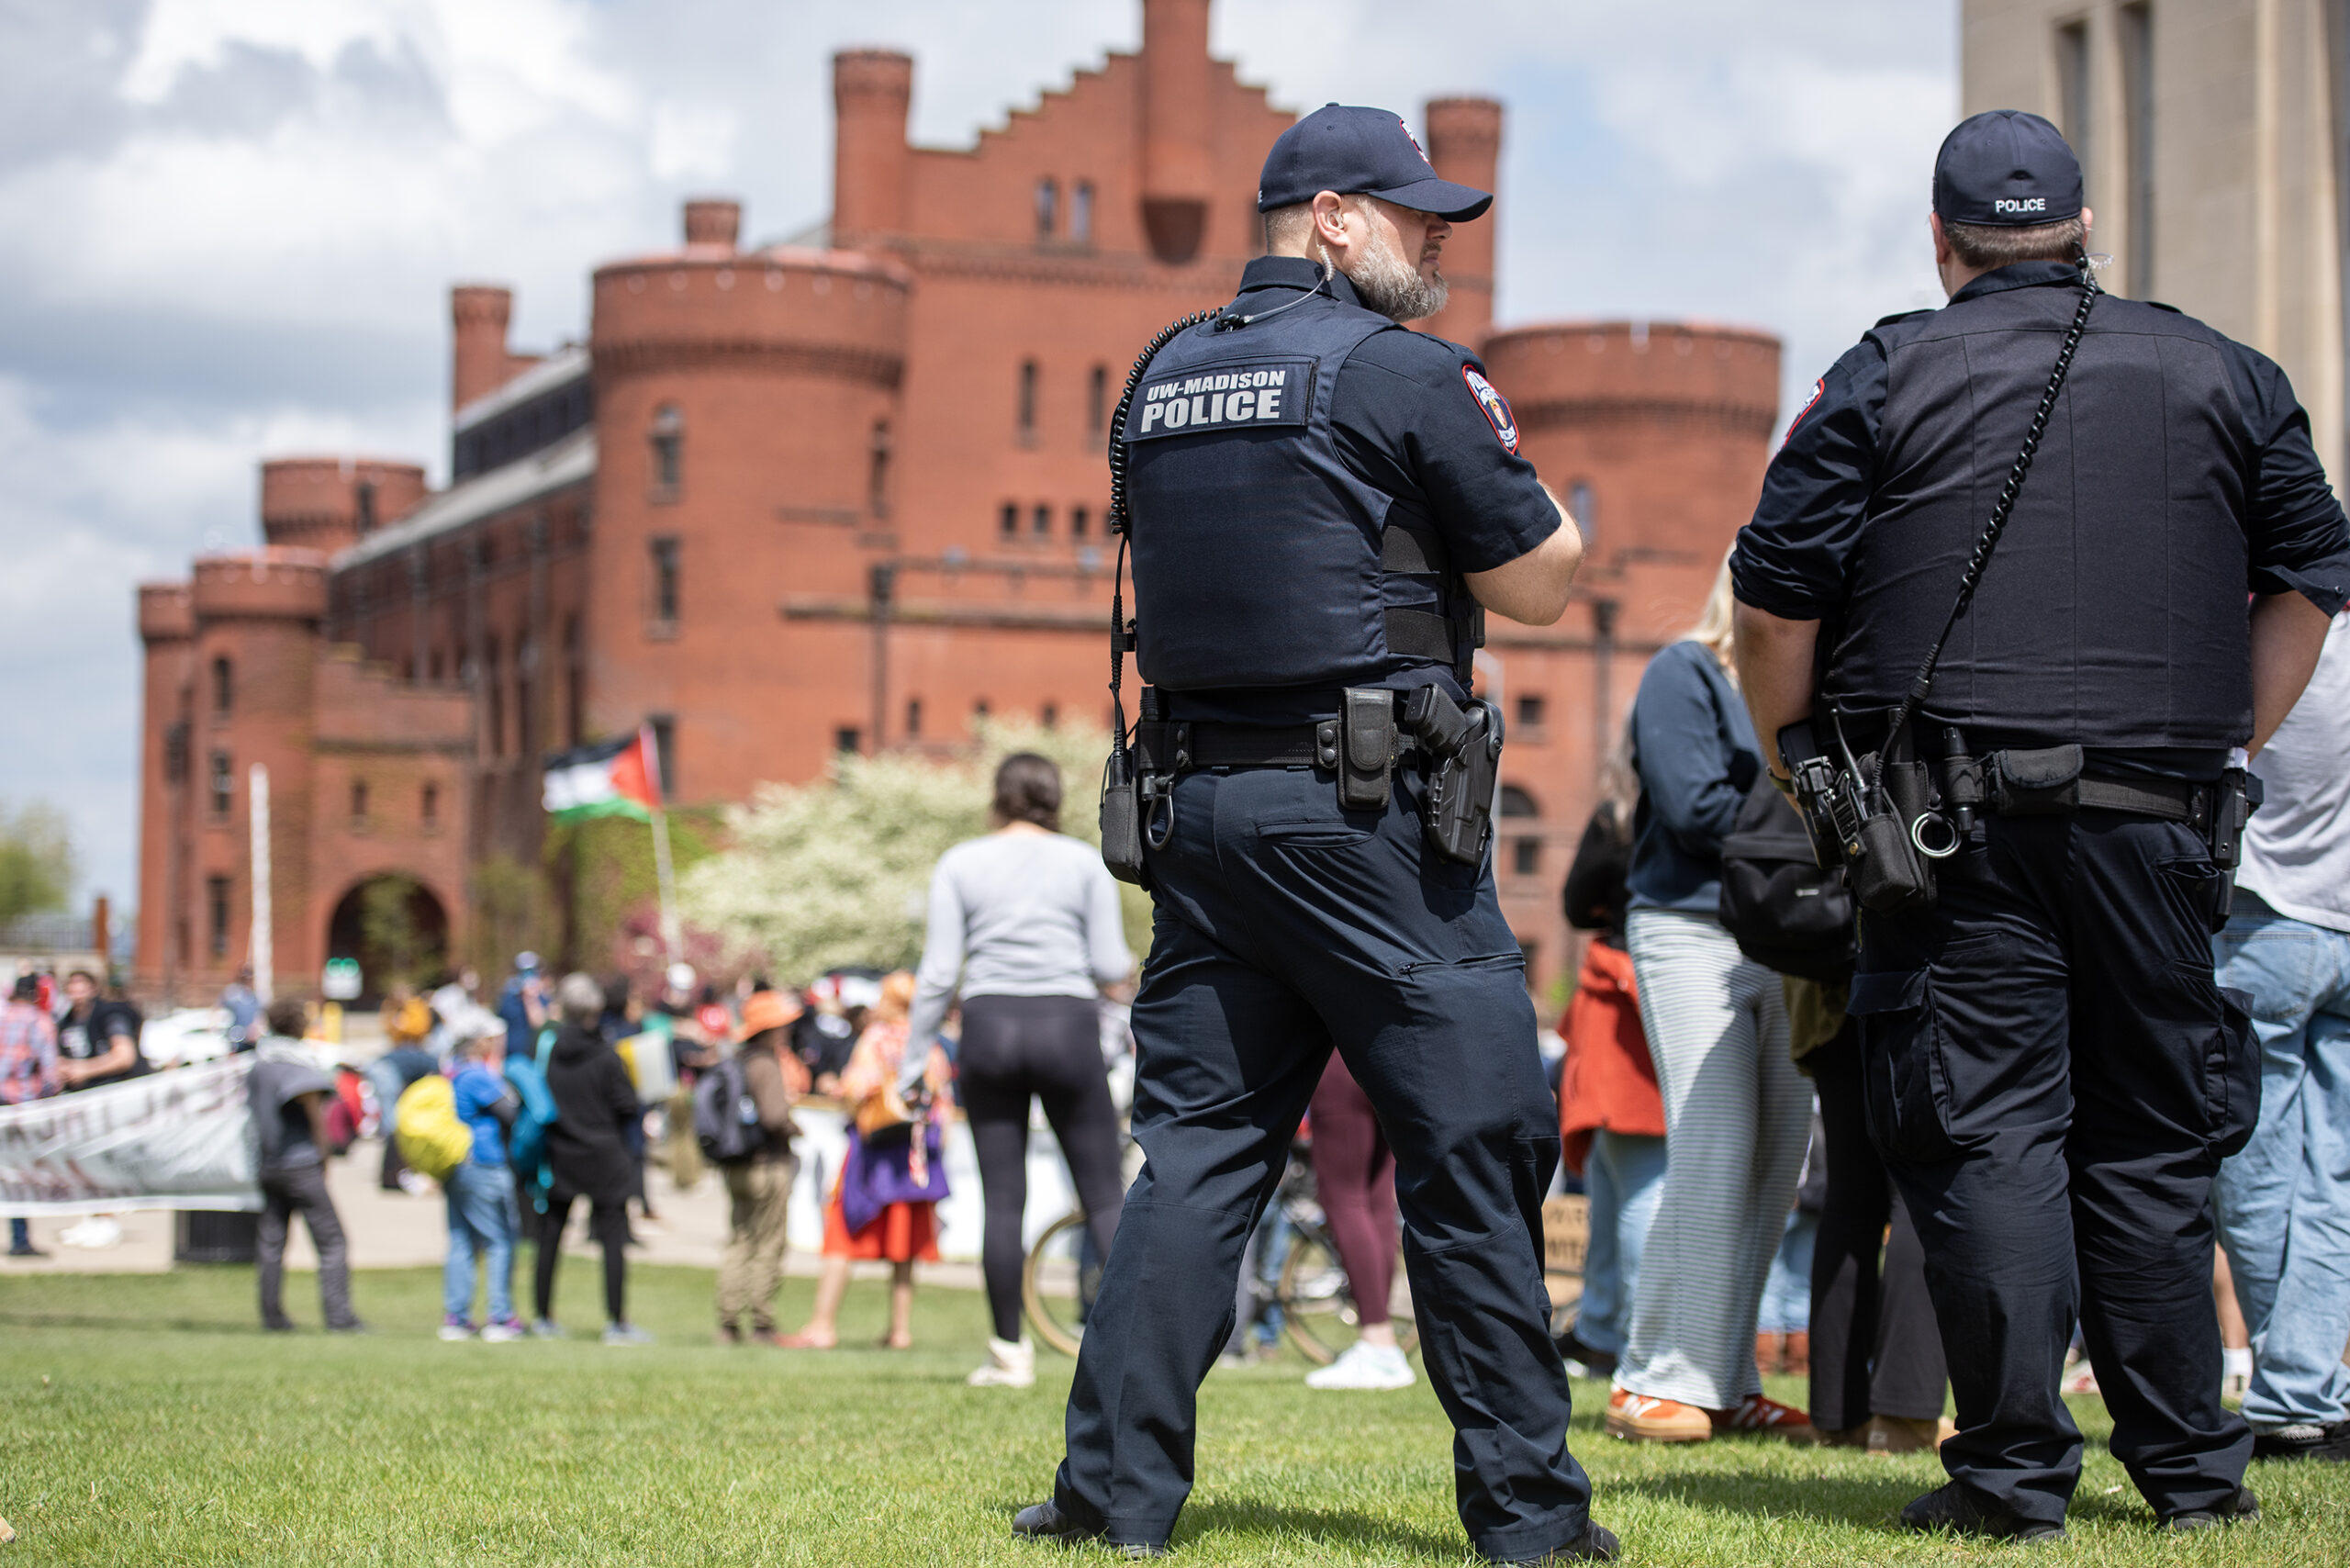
pixel 2113 613
pixel 1261 559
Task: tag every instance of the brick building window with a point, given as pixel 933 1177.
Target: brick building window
pixel 877 482
pixel 224 687
pixel 1050 716
pixel 1097 401
pixel 1581 507
pixel 665 741
pixel 575 683
pixel 1027 405
pixel 980 709
pixel 526 695
pixel 668 452
pixel 1041 521
pixel 1077 521
pixel 359 802
pixel 1081 212
pixel 221 784
pixel 1525 848
pixel 663 598
pixel 216 925
pixel 493 685
pixel 1532 711
pixel 1008 521
pixel 428 807
pixel 366 507
pixel 1048 208
pixel 913 718
pixel 847 738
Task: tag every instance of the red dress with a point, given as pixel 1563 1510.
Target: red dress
pixel 901 1233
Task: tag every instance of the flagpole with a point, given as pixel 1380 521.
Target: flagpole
pixel 671 936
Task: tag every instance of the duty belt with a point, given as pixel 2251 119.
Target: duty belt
pixel 1174 747
pixel 2173 799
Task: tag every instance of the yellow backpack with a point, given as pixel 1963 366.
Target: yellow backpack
pixel 433 1139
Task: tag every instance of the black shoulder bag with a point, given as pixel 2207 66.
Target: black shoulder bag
pixel 1871 813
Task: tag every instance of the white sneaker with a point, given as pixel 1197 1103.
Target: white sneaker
pixel 1009 1365
pixel 2235 1372
pixel 504 1333
pixel 99 1230
pixel 415 1183
pixel 1366 1366
pixel 626 1335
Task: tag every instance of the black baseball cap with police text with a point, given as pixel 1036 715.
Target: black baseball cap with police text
pixel 2005 169
pixel 1361 152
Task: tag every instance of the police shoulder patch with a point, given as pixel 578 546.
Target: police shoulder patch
pixel 1494 406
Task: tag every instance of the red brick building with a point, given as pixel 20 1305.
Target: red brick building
pixel 846 492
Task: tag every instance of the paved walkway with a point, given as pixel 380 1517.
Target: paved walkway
pixel 393 1230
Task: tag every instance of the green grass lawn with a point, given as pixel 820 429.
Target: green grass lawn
pixel 145 1420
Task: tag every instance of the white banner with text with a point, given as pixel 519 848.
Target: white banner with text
pixel 176 1139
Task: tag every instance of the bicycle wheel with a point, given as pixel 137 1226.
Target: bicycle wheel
pixel 1057 1282
pixel 1318 1306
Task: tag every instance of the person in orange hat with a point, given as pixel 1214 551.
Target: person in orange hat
pixel 758 1187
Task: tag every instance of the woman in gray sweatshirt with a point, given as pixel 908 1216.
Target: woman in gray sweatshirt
pixel 1026 919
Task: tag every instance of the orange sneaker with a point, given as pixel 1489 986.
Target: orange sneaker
pixel 1640 1418
pixel 1766 1418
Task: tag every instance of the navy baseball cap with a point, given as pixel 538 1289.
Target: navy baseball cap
pixel 2007 169
pixel 1358 152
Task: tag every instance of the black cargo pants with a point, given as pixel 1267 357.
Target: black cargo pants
pixel 2052 1077
pixel 1285 926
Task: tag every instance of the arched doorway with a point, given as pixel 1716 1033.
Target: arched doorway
pixel 397 929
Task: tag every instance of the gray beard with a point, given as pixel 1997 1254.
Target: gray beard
pixel 1394 287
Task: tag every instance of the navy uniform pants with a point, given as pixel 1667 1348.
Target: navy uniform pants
pixel 1285 927
pixel 2052 1077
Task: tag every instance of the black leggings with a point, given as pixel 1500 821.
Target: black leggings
pixel 607 1223
pixel 1048 1046
pixel 1875 1347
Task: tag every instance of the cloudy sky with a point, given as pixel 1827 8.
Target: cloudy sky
pixel 227 227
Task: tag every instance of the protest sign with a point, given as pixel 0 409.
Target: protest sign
pixel 178 1139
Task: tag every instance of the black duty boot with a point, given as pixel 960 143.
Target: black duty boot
pixel 1043 1521
pixel 2241 1509
pixel 1949 1508
pixel 1596 1544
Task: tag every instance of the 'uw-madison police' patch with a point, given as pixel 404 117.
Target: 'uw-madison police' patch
pixel 1496 407
pixel 1255 394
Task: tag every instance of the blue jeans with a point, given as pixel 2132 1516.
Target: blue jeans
pixel 20 1236
pixel 1625 1176
pixel 2284 1203
pixel 481 1219
pixel 1786 1296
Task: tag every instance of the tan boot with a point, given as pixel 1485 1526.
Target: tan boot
pixel 1901 1434
pixel 1794 1358
pixel 1768 1349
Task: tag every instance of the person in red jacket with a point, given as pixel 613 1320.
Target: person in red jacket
pixel 1611 1117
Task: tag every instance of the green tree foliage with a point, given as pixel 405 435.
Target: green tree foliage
pixel 509 914
pixel 837 872
pixel 35 860
pixel 396 934
pixel 604 867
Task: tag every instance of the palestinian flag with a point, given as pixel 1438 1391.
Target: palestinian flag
pixel 613 778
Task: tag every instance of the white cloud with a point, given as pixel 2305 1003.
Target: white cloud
pixel 237 240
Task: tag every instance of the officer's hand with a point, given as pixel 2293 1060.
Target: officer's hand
pixel 1534 588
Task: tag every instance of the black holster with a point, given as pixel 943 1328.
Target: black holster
pixel 1464 750
pixel 1362 745
pixel 1122 818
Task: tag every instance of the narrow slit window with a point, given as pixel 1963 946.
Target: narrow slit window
pixel 1080 211
pixel 1028 408
pixel 1048 208
pixel 668 451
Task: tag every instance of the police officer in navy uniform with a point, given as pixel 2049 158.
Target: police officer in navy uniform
pixel 1321 502
pixel 2051 1074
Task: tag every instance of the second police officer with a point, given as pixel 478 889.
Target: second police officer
pixel 2040 826
pixel 1320 502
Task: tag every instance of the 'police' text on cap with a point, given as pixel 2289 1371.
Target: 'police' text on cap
pixel 2007 169
pixel 1359 151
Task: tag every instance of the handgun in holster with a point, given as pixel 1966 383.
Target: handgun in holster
pixel 1465 748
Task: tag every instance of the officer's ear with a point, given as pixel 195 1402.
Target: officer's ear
pixel 1943 253
pixel 1330 218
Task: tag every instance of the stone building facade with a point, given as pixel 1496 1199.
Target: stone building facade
pixel 845 493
